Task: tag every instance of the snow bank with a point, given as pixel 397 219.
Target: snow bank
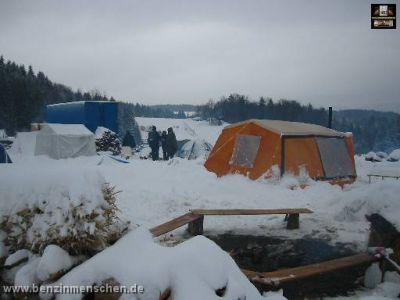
pixel 194 269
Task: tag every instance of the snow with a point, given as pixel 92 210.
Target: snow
pixel 395 155
pixel 53 260
pixel 156 192
pixel 193 269
pixel 26 276
pixel 17 257
pixel 67 129
pixel 23 146
pixel 100 132
pixel 373 276
pixel 59 190
pixel 372 156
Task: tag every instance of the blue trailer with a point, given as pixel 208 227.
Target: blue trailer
pixel 92 114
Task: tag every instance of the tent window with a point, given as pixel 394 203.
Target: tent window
pixel 335 157
pixel 245 151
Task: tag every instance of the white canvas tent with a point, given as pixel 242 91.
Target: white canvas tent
pixel 65 141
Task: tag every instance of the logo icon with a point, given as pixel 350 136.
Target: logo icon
pixel 383 16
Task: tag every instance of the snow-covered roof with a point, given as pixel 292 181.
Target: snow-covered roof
pixel 66 129
pixel 291 128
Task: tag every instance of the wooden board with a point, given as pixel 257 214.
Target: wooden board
pixel 174 224
pixel 280 277
pixel 231 212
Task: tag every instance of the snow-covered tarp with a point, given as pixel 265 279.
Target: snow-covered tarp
pixel 64 141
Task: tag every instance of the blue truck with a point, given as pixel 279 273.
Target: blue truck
pixel 112 115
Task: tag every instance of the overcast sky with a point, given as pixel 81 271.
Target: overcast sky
pixel 157 52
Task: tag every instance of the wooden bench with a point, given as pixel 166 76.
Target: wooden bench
pixel 195 218
pixel 382 176
pixel 275 279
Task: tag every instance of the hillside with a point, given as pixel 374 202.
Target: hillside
pixel 372 130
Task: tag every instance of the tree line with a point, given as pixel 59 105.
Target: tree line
pixel 372 130
pixel 25 93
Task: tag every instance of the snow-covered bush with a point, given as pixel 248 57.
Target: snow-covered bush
pixel 72 209
pixel 106 140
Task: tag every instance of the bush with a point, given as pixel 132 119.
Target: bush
pixel 80 229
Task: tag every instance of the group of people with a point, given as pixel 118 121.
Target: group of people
pixel 167 140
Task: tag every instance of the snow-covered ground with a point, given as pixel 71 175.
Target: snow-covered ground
pixel 155 192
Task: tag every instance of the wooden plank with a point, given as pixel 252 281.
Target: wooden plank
pixel 232 212
pixel 277 278
pixel 174 224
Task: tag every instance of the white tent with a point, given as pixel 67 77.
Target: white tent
pixel 194 149
pixel 65 141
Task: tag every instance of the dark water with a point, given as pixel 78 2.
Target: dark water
pixel 266 254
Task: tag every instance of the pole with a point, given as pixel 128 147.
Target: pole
pixel 330 117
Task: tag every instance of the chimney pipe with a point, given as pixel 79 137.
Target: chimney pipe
pixel 330 117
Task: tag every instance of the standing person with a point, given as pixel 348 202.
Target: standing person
pixel 154 143
pixel 172 144
pixel 164 144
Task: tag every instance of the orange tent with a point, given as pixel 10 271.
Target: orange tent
pixel 252 147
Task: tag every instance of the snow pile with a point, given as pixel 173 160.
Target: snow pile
pixel 394 155
pixel 62 204
pixel 53 260
pixel 194 269
pixel 380 198
pixel 27 268
pixel 194 149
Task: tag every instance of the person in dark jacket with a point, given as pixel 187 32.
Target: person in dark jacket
pixel 172 144
pixel 164 144
pixel 154 143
